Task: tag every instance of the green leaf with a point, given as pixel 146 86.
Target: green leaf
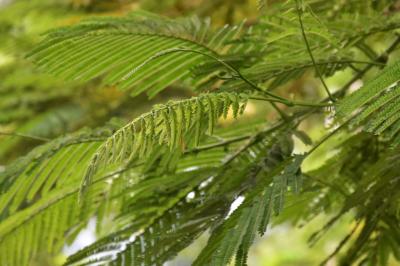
pixel 128 50
pixel 236 234
pixel 388 77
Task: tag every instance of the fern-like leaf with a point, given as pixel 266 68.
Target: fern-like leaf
pixel 39 205
pixel 376 105
pixel 237 233
pixel 118 46
pixel 161 125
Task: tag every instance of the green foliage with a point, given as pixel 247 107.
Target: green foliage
pixel 38 201
pixel 237 233
pixel 174 124
pixel 379 101
pixel 84 50
pixel 165 171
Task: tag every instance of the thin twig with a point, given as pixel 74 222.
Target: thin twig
pixel 215 58
pixel 390 49
pixel 341 244
pixel 328 184
pixel 299 12
pixel 217 145
pixel 282 114
pixel 255 139
pixel 294 103
pixel 328 136
pixel 15 134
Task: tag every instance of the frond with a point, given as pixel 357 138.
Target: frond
pixel 373 233
pixel 285 54
pixel 376 104
pixel 285 57
pixel 236 234
pixel 158 182
pixel 176 124
pixel 181 215
pixel 117 46
pixel 141 241
pixel 39 197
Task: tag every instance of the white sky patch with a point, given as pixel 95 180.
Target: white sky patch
pixel 189 169
pixel 355 86
pixel 191 195
pixel 86 237
pixel 252 153
pixel 206 182
pixel 235 205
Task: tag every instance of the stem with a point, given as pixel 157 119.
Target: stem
pixel 365 49
pixel 294 103
pixel 341 244
pixel 299 12
pixel 342 91
pixel 15 134
pixel 255 139
pixel 390 49
pixel 217 145
pixel 283 115
pixel 326 137
pixel 252 138
pixel 272 100
pixel 222 62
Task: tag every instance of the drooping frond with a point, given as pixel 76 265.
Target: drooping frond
pixel 237 233
pixel 176 124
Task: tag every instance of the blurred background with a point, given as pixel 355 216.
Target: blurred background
pixel 35 104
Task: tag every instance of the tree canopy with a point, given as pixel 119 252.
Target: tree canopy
pixel 154 123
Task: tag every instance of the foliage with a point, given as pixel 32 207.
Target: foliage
pixel 164 171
